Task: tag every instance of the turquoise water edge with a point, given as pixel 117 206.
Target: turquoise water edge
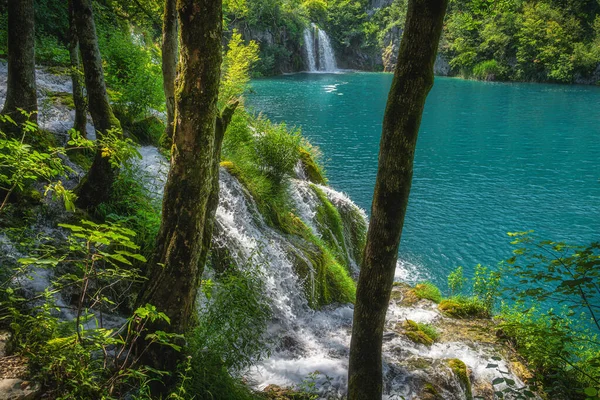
pixel 491 158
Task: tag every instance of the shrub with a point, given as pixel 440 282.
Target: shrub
pixel 456 281
pixel 49 51
pixel 277 149
pixel 488 71
pixel 428 291
pixel 229 335
pixel 133 72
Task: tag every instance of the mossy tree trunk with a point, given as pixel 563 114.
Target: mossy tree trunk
pixel 169 62
pixel 76 76
pixel 21 87
pixel 96 186
pixel 178 263
pixel 412 81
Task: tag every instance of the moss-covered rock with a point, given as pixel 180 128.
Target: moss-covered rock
pixel 331 227
pixel 459 307
pixel 429 392
pixel 313 171
pixel 62 98
pixel 428 291
pixel 461 372
pixel 418 333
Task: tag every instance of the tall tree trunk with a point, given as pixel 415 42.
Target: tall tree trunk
pixel 169 62
pixel 178 262
pixel 412 81
pixel 21 87
pixel 76 76
pixel 97 184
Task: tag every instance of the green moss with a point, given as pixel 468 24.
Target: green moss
pixel 325 280
pixel 147 130
pixel 313 170
pixel 463 307
pixel 420 333
pixel 428 291
pixel 429 392
pixel 331 227
pixel 83 158
pixel 459 369
pixel 64 98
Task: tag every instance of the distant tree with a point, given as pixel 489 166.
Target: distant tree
pixel 76 76
pixel 169 62
pixel 412 81
pixel 21 87
pixel 192 184
pixel 97 184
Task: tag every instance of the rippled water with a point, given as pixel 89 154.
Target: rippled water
pixel 491 158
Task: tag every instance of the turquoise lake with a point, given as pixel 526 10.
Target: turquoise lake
pixel 491 158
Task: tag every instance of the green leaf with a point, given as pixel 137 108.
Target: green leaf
pixel 590 392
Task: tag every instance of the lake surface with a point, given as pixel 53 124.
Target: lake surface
pixel 491 158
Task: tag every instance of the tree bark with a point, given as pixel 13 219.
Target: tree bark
pixel 96 186
pixel 169 62
pixel 413 79
pixel 21 87
pixel 178 262
pixel 76 76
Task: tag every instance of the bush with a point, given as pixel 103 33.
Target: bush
pixel 229 335
pixel 277 149
pixel 49 51
pixel 488 71
pixel 428 291
pixel 133 72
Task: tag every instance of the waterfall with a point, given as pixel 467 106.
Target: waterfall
pixel 319 52
pixel 309 44
pixel 307 340
pixel 326 54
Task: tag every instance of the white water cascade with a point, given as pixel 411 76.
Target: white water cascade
pixel 319 52
pixel 307 340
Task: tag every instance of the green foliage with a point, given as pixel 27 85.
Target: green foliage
pixel 49 51
pixel 549 40
pixel 428 290
pixel 277 149
pixel 331 227
pixel 486 287
pixel 134 206
pixel 489 70
pixel 133 72
pixel 456 281
pixel 79 357
pixel 237 63
pixel 21 164
pixel 230 332
pixel 562 345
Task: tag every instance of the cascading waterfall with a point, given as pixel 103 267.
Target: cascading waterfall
pixel 310 340
pixel 319 52
pixel 326 54
pixel 309 44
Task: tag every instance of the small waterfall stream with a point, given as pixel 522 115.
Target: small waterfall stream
pixel 319 52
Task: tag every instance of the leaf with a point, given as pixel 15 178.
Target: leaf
pixel 497 381
pixel 492 366
pixel 590 392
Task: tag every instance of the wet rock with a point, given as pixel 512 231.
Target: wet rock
pixel 17 389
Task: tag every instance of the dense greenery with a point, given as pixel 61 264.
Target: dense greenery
pixel 549 40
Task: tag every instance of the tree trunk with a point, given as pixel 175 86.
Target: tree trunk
pixel 96 186
pixel 76 76
pixel 413 79
pixel 21 87
pixel 178 262
pixel 169 62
